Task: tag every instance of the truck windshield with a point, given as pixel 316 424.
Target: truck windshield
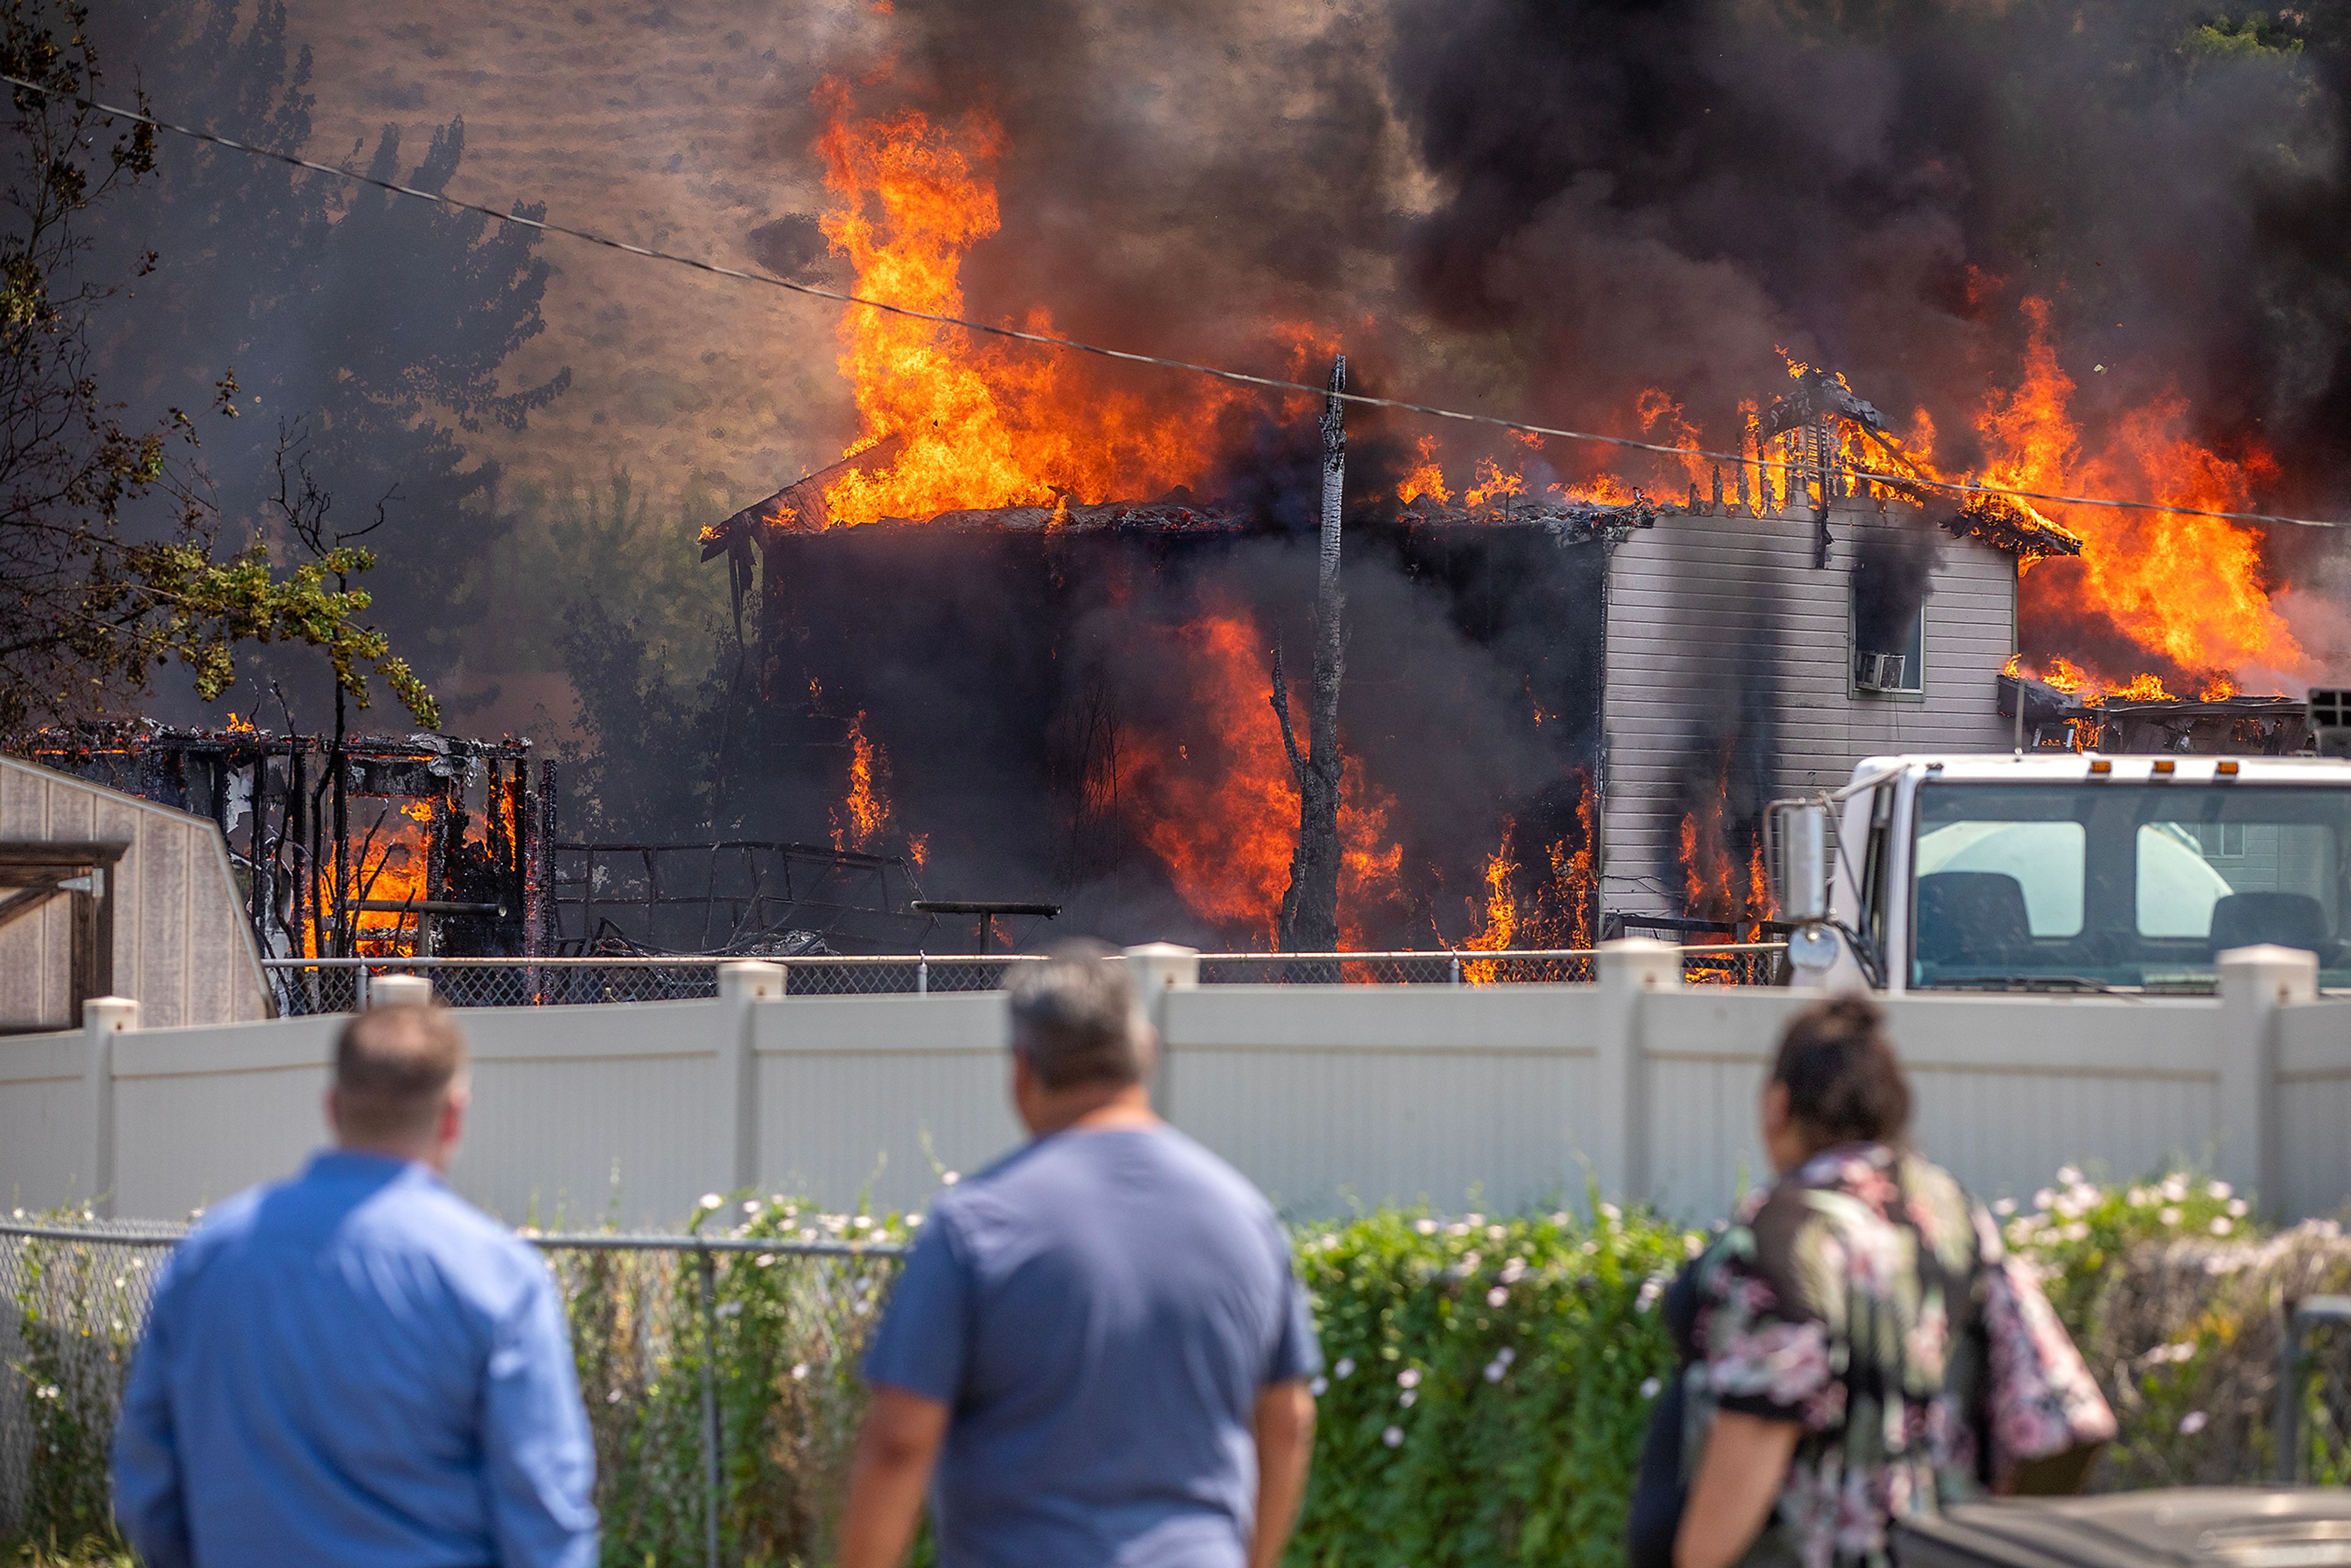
pixel 2124 885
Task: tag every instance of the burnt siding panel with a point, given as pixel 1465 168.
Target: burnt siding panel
pixel 1684 604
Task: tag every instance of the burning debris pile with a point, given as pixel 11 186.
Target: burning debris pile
pixel 394 847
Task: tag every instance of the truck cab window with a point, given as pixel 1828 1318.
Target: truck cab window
pixel 2123 884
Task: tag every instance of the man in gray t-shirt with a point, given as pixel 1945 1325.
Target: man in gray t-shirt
pixel 1098 1342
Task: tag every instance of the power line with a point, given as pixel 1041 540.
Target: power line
pixel 1128 356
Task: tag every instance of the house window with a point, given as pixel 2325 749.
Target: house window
pixel 2221 841
pixel 1889 622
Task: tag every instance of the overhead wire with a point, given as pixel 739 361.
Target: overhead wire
pixel 1128 356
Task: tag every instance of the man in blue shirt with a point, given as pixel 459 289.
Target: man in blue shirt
pixel 357 1367
pixel 1099 1343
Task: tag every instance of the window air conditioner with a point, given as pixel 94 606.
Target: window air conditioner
pixel 1880 672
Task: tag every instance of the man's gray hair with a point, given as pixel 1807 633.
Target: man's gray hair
pixel 1075 1020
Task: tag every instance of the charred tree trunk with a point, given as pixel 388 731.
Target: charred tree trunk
pixel 1310 909
pixel 338 771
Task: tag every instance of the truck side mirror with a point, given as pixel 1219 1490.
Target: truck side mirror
pixel 1796 846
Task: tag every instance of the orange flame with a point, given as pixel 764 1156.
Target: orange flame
pixel 1427 478
pixel 985 423
pixel 1501 917
pixel 866 809
pixel 2189 591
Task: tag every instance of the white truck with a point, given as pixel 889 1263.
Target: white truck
pixel 2071 872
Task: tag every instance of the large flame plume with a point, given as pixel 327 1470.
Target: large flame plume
pixel 983 422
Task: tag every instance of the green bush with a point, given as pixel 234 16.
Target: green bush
pixel 1489 1383
pixel 1488 1379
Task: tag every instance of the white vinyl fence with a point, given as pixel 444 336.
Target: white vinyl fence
pixel 1328 1096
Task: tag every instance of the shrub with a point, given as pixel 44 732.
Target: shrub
pixel 1488 1379
pixel 1489 1383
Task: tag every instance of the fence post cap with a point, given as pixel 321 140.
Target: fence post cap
pixel 1164 966
pixel 750 980
pixel 109 1015
pixel 1638 961
pixel 2290 974
pixel 399 991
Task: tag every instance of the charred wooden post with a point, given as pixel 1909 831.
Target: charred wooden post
pixel 1309 908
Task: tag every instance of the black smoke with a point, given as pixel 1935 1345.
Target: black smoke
pixel 1893 577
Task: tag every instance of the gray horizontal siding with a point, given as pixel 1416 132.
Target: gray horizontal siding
pixel 1698 605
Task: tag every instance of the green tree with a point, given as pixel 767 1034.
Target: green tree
pixel 109 564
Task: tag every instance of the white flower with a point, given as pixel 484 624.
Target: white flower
pixel 2221 1189
pixel 799 1372
pixel 2066 1206
pixel 764 1261
pixel 2174 1189
pixel 1611 1213
pixel 2223 1225
pixel 1474 1218
pixel 711 1200
pixel 1458 1228
pixel 950 1178
pixel 2192 1423
pixel 2069 1175
pixel 1494 1370
pixel 913 1222
pixel 2238 1207
pixel 1506 1355
pixel 1693 1244
pixel 1346 1367
pixel 2004 1208
pixel 2170 1216
pixel 750 1206
pixel 2077 1231
pixel 1495 1233
pixel 1393 1437
pixel 729 1309
pixel 1651 1289
pixel 1425 1227
pixel 1470 1259
pixel 1320 1387
pixel 1498 1296
pixel 1406 1399
pixel 1514 1271
pixel 2137 1197
pixel 2043 1198
pixel 862 1222
pixel 1650 1387
pixel 1409 1378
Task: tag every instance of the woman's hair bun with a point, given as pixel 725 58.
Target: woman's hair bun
pixel 1845 1084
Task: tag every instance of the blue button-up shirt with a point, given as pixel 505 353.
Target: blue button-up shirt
pixel 356 1367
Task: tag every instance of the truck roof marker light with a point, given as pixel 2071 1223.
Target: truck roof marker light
pixel 2100 766
pixel 2164 768
pixel 2224 769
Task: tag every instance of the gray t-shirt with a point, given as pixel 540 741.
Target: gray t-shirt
pixel 1099 1311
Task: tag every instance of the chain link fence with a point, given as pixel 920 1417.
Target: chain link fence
pixel 304 987
pixel 340 984
pixel 718 1373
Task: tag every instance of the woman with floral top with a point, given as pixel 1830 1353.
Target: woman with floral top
pixel 1831 1360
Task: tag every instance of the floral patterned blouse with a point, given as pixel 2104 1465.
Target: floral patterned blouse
pixel 1846 1299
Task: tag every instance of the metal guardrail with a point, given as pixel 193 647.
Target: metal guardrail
pixel 73 1301
pixel 2299 1316
pixel 340 984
